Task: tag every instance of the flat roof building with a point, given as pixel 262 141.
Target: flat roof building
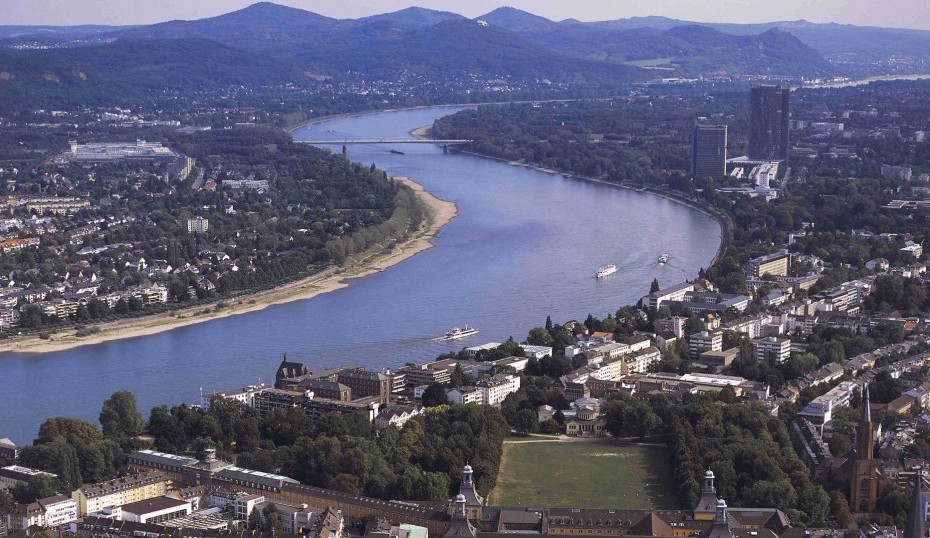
pixel 775 264
pixel 156 510
pixel 768 122
pixel 708 149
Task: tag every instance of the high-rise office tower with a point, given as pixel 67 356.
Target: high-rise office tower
pixel 768 123
pixel 708 149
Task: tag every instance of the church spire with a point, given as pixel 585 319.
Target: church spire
pixel 866 411
pixel 864 482
pixel 915 516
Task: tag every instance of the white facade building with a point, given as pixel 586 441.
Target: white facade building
pixel 245 395
pixel 780 348
pixel 495 389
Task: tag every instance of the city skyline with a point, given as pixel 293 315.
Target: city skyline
pixel 893 13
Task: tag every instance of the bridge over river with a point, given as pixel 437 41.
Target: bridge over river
pixel 384 141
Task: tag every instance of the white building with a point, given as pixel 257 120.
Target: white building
pixel 780 348
pixel 671 294
pixel 465 395
pixel 156 510
pixel 640 361
pixel 15 474
pixel 818 412
pixel 245 395
pixel 240 502
pixel 878 264
pixel 396 415
pixel 473 350
pixel 704 341
pixel 48 512
pixel 914 249
pixel 59 510
pixel 609 370
pixel 495 389
pixel 198 225
pixel 517 363
pixel 536 352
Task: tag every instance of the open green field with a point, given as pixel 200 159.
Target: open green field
pixel 584 474
pixel 651 62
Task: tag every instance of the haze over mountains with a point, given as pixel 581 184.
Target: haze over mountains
pixel 268 43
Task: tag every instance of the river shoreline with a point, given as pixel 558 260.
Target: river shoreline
pixel 722 219
pixel 440 213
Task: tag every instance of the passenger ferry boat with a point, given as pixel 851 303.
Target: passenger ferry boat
pixel 664 257
pixel 459 332
pixel 606 270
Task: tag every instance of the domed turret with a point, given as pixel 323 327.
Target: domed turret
pixel 721 526
pixel 460 527
pixel 468 490
pixel 706 507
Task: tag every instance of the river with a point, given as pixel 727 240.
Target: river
pixel 525 245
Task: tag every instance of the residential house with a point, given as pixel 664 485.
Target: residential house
pixel 396 415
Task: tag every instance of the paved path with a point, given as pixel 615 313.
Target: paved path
pixel 569 439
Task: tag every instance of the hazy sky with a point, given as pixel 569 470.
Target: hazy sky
pixel 891 13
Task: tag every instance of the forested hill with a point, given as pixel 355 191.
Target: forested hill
pixel 124 71
pixel 682 49
pixel 425 42
pixel 270 44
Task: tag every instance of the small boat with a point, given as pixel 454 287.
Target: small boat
pixel 459 332
pixel 605 271
pixel 397 151
pixel 664 257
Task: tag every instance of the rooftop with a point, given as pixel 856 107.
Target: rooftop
pixel 155 504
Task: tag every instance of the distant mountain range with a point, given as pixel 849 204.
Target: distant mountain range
pixel 687 48
pixel 268 43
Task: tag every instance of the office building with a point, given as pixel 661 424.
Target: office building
pixel 775 264
pixel 708 149
pixel 768 123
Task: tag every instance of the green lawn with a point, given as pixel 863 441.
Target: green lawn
pixel 592 475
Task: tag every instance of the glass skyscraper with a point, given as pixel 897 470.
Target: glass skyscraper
pixel 768 123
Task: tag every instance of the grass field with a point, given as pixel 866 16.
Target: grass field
pixel 582 474
pixel 651 62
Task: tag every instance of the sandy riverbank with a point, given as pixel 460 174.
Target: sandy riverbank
pixel 421 132
pixel 440 211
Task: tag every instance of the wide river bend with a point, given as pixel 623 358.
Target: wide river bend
pixel 525 245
